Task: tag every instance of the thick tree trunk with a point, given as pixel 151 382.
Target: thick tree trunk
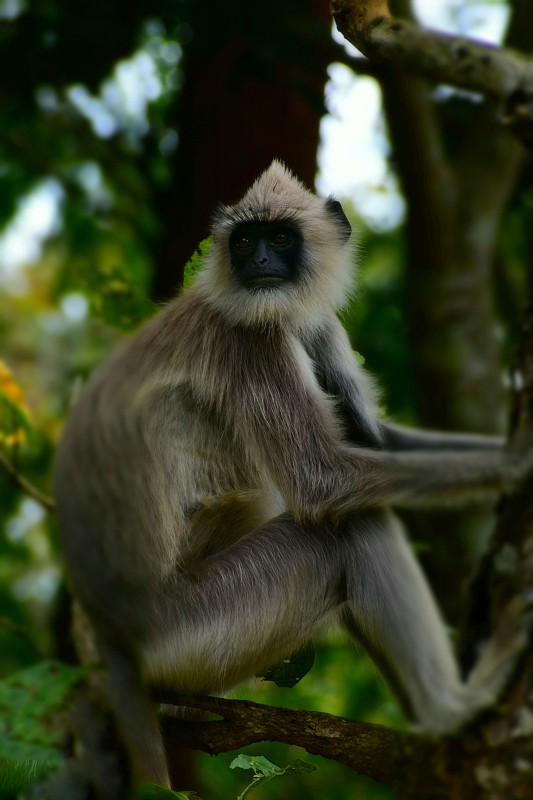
pixel 253 91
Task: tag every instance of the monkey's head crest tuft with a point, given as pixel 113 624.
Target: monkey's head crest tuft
pixel 276 194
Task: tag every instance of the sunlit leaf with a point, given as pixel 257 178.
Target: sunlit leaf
pixel 196 262
pixel 14 414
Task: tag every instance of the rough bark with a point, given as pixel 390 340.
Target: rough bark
pixel 380 753
pixel 504 766
pixel 454 60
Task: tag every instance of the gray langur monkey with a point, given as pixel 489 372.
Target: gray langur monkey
pixel 224 487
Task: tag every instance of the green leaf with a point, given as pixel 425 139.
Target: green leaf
pixel 264 770
pixel 196 262
pixel 15 425
pixel 290 671
pixel 118 300
pixel 13 416
pixel 111 270
pixel 29 704
pixel 259 764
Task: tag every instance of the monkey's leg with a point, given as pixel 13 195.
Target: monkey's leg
pixel 392 612
pixel 246 607
pixel 239 611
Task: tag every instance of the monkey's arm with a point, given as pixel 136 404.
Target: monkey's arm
pixel 340 375
pixel 291 425
pixel 398 437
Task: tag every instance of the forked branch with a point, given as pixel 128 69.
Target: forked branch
pixel 454 60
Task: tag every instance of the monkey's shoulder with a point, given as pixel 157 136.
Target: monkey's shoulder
pixel 191 361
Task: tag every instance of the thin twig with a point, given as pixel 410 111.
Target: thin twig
pixel 21 633
pixel 25 485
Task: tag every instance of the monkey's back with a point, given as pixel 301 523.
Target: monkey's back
pixel 143 427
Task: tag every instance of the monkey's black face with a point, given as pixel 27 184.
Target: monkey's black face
pixel 265 254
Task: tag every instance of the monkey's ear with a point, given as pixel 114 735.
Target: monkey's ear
pixel 335 209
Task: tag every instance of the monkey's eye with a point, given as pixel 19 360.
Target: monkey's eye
pixel 243 243
pixel 279 239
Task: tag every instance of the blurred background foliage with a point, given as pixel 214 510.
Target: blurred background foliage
pixel 99 117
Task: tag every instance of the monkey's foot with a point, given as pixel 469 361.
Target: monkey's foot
pixel 500 655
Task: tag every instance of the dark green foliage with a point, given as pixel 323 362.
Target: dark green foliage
pixel 16 776
pixel 15 425
pixel 376 318
pixel 116 289
pixel 33 731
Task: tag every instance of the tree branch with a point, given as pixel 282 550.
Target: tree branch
pixel 25 485
pixel 380 753
pixel 454 60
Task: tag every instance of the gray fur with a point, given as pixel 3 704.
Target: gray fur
pixel 223 492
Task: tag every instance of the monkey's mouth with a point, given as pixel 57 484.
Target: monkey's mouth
pixel 264 281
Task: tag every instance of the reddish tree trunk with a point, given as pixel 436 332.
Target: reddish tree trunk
pixel 250 95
